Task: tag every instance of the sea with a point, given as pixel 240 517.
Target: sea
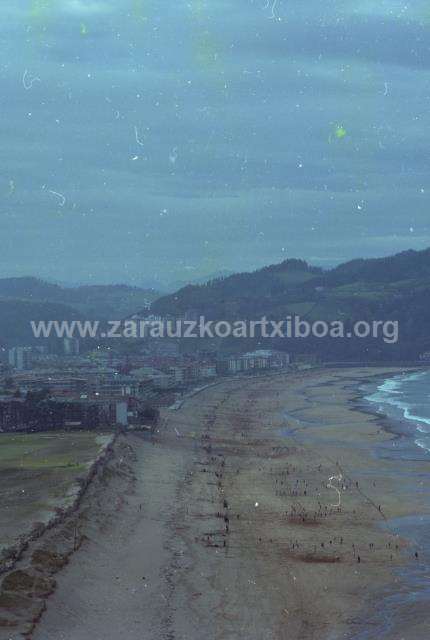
pixel 406 400
pixel 403 403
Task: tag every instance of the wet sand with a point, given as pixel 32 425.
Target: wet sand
pixel 228 528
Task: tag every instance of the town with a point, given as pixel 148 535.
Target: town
pixel 67 388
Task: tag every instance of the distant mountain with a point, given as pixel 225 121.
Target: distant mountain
pixel 16 315
pixel 392 288
pixel 179 284
pixel 26 299
pixel 109 302
pixel 90 301
pixel 29 288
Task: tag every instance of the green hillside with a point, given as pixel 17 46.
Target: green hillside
pixel 392 288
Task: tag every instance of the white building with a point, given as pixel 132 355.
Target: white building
pixel 259 359
pixel 121 413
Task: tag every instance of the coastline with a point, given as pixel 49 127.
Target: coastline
pixel 399 607
pixel 232 525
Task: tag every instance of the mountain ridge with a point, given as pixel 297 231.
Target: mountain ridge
pixel 393 288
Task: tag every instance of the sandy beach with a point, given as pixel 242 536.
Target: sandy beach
pixel 258 511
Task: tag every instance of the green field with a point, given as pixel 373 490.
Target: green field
pixel 38 472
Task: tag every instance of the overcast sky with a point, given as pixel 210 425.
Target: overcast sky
pixel 146 140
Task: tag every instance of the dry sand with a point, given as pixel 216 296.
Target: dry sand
pixel 224 527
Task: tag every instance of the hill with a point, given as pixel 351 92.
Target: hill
pixel 402 266
pixel 26 299
pixel 392 288
pixel 243 294
pixel 16 315
pixel 90 301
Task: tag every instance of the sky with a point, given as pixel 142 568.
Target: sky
pixel 155 141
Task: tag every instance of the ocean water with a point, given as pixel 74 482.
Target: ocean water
pixel 406 398
pixel 405 401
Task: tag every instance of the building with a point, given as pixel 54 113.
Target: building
pixel 121 412
pixel 159 379
pixel 178 374
pixel 207 371
pixel 71 346
pixel 115 384
pixel 91 412
pixel 52 380
pixel 20 358
pixel 260 359
pixel 58 412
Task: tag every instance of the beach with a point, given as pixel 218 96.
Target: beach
pixel 260 509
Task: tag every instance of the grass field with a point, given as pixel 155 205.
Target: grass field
pixel 38 472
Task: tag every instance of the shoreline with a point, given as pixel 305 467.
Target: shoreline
pixel 408 527
pixel 410 577
pixel 232 526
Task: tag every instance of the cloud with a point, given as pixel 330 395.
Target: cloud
pixel 248 103
pixel 87 7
